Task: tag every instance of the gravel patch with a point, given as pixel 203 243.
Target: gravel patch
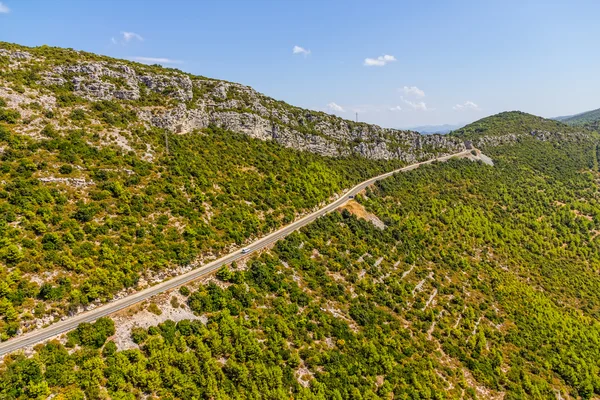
pixel 140 317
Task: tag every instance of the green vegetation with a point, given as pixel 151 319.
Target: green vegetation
pixel 91 200
pixel 133 217
pixel 483 281
pixel 7 115
pixel 92 335
pixel 588 119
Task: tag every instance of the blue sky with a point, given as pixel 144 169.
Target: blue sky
pixel 396 63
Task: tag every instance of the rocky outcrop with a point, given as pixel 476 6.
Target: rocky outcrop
pixel 15 55
pixel 75 182
pixel 95 81
pixel 545 136
pixel 182 103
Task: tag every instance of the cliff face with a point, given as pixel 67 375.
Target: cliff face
pixel 182 103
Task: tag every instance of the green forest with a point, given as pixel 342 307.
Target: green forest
pixel 110 218
pixel 588 119
pixel 94 201
pixel 483 284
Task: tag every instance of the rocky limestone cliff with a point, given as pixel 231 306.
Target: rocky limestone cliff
pixel 191 103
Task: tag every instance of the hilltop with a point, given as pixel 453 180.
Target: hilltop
pixel 513 126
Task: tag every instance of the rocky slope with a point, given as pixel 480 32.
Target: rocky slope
pixel 181 103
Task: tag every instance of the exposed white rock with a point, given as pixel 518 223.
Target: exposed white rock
pixel 241 109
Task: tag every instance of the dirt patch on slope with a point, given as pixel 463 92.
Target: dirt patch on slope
pixel 357 209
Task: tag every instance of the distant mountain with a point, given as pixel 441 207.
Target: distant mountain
pixel 564 117
pixel 588 119
pixel 439 129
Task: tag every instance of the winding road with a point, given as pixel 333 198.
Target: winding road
pixel 39 335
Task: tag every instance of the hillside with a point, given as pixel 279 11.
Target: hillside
pixel 454 280
pixel 96 202
pixel 476 282
pixel 588 119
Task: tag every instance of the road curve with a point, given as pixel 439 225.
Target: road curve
pixel 39 335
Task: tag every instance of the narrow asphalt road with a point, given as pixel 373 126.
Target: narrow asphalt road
pixel 39 335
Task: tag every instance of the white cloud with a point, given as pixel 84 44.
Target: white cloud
pixel 3 8
pixel 413 91
pixel 128 36
pixel 335 107
pixel 157 60
pixel 300 50
pixel 113 40
pixel 379 61
pixel 467 105
pixel 397 108
pixel 416 105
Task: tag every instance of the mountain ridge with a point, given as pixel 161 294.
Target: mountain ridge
pixel 180 102
pixel 514 126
